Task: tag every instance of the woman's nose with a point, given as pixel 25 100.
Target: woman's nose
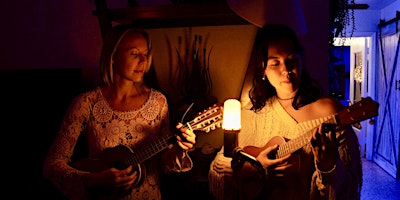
pixel 285 68
pixel 289 66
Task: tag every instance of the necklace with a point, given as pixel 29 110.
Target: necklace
pixel 284 99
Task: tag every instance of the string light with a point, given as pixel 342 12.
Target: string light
pixel 358 74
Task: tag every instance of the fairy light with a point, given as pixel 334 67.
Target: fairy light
pixel 358 74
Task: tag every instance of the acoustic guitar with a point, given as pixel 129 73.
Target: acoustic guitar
pixel 122 156
pixel 364 109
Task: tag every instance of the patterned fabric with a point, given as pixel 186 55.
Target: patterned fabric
pixel 103 127
pixel 273 120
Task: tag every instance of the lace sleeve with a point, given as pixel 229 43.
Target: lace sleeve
pixel 175 159
pixel 56 167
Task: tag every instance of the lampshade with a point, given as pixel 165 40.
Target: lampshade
pixel 231 115
pixel 262 12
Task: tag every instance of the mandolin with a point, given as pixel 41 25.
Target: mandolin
pixel 122 156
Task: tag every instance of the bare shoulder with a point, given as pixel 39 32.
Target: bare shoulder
pixel 327 106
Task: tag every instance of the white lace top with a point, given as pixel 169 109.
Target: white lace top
pixel 90 114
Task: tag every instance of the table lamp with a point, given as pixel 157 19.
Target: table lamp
pixel 231 125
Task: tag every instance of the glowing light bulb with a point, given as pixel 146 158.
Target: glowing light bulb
pixel 231 115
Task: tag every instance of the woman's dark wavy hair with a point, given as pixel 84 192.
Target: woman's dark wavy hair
pixel 309 89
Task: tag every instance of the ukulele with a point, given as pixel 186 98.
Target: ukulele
pixel 122 156
pixel 362 110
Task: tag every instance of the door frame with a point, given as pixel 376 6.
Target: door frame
pixel 366 42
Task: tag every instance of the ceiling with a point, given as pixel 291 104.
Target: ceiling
pixel 376 4
pixel 373 4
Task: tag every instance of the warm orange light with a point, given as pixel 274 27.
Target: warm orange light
pixel 231 116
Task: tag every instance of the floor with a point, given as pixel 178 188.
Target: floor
pixel 378 184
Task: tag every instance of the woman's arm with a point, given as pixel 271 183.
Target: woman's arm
pixel 56 167
pixel 343 181
pixel 176 158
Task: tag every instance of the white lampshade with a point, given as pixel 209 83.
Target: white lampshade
pixel 262 12
pixel 231 115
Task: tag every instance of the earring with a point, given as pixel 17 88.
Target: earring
pixel 263 78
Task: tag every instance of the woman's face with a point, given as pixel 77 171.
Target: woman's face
pixel 283 66
pixel 131 57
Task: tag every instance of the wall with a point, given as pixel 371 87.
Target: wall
pixel 44 34
pixel 389 12
pixel 367 21
pixel 228 59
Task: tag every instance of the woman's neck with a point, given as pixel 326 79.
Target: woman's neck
pixel 284 99
pixel 286 96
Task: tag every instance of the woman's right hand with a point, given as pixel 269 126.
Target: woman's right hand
pixel 222 164
pixel 276 167
pixel 112 178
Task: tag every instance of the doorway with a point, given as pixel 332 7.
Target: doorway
pixel 356 55
pixel 374 72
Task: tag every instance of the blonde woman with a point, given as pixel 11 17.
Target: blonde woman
pixel 122 115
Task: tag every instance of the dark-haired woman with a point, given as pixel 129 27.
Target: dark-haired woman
pixel 287 104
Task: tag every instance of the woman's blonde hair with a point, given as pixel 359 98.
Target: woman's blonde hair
pixel 110 45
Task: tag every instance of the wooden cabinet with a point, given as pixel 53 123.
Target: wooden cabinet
pixel 168 16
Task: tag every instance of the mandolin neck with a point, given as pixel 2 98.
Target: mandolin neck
pixel 150 150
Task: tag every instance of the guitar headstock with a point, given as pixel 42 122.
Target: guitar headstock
pixel 207 120
pixel 359 111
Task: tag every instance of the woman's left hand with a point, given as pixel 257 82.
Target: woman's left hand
pixel 187 139
pixel 325 148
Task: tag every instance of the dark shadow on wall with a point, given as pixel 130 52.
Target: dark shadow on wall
pixel 33 103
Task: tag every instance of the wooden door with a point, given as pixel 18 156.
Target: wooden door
pixel 386 138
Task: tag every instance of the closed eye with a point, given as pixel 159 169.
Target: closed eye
pixel 137 53
pixel 273 63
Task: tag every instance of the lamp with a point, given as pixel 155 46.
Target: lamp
pixel 231 125
pixel 262 12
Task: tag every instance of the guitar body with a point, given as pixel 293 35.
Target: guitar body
pixel 252 179
pixel 112 157
pixel 254 151
pixel 294 159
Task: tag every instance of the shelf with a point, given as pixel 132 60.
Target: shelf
pixel 173 15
